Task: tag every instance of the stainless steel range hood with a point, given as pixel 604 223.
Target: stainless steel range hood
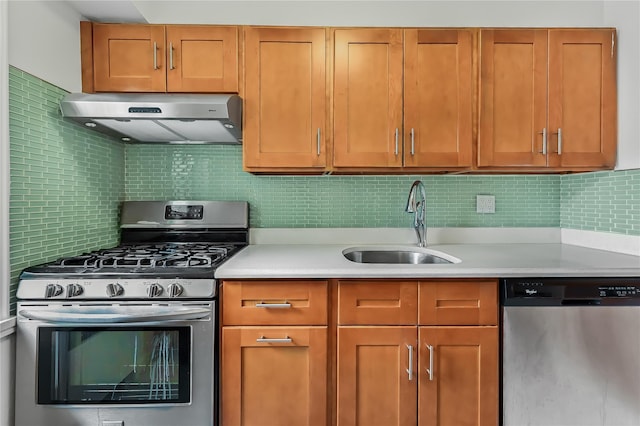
pixel 159 118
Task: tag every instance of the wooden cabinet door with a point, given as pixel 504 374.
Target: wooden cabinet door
pixel 367 98
pixel 374 388
pixel 582 98
pixel 462 388
pixel 129 58
pixel 513 98
pixel 438 81
pixel 202 58
pixel 285 98
pixel 274 384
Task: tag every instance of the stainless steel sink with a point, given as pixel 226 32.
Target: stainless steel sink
pixel 414 256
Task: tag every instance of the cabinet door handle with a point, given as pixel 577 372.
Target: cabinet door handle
pixel 430 369
pixel 155 55
pixel 544 140
pixel 397 138
pixel 318 140
pixel 285 305
pixel 171 67
pixel 559 141
pixel 263 339
pixel 410 369
pixel 413 142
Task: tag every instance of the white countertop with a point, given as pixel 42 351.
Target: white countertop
pixel 477 260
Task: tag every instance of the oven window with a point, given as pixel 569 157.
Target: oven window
pixel 114 365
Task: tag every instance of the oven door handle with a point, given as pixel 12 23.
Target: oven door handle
pixel 115 316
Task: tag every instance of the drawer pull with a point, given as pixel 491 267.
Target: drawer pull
pixel 410 369
pixel 430 369
pixel 285 305
pixel 544 141
pixel 263 339
pixel 155 55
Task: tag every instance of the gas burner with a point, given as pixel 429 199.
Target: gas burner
pixel 167 255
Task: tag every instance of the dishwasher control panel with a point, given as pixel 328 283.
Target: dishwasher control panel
pixel 619 291
pixel 570 291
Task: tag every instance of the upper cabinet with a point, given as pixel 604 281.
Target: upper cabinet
pixel 384 100
pixel 285 97
pixel 438 98
pixel 159 58
pixel 402 99
pixel 397 100
pixel 547 99
pixel 367 97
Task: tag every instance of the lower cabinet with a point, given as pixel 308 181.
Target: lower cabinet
pixel 360 352
pixel 376 376
pixel 274 376
pixel 434 362
pixel 417 375
pixel 274 356
pixel 458 376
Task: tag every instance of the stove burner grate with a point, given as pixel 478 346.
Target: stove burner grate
pixel 190 255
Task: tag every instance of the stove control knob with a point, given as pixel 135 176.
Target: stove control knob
pixel 175 290
pixel 154 290
pixel 114 290
pixel 53 290
pixel 74 290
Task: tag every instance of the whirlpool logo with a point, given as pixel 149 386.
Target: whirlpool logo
pixel 531 292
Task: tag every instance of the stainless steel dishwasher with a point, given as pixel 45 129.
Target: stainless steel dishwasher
pixel 571 351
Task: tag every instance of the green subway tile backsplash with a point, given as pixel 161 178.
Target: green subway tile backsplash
pixel 66 182
pixel 602 201
pixel 215 172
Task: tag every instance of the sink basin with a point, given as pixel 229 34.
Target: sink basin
pixel 397 255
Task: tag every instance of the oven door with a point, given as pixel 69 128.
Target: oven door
pixel 118 360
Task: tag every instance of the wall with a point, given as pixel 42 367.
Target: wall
pixel 215 172
pixel 44 40
pixel 7 324
pixel 451 13
pixel 603 202
pixel 625 16
pixel 66 182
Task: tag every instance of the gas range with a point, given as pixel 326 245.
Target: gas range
pixel 168 250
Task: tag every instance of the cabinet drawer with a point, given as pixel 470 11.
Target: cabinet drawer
pixel 377 302
pixel 274 302
pixel 459 303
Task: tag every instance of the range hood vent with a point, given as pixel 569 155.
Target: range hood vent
pixel 159 118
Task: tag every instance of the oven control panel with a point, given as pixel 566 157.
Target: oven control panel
pixel 109 289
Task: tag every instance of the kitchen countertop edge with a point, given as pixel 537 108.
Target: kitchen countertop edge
pixel 499 260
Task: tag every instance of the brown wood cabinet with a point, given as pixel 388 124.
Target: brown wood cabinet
pixel 547 99
pixel 159 58
pixel 438 98
pixel 285 99
pixel 402 99
pixel 440 368
pixel 458 376
pixel 274 375
pixel 367 97
pixel 373 376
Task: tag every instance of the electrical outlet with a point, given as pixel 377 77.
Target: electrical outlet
pixel 485 204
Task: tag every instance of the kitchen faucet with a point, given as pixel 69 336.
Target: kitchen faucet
pixel 417 204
